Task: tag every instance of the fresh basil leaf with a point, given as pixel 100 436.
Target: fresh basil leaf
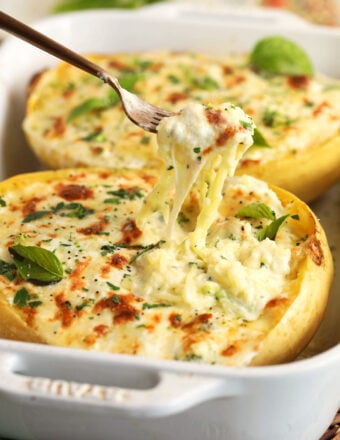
pixel 8 270
pixel 280 56
pixel 271 230
pixel 256 210
pixel 36 263
pixel 2 202
pixel 259 139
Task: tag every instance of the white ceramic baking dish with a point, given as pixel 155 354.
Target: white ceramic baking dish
pixel 56 393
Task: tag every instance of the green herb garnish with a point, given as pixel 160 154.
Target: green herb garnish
pixel 124 194
pixel 92 104
pixel 8 270
pixel 36 263
pixel 206 83
pixel 272 118
pixel 259 139
pixel 280 56
pixel 271 230
pixel 23 298
pixel 146 249
pixel 73 210
pixel 256 210
pixel 95 136
pixel 112 286
pixel 2 202
pixel 247 125
pixel 35 216
pixel 146 306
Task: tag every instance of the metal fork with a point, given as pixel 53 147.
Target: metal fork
pixel 140 112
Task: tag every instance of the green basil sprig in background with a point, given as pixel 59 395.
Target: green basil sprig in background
pixel 279 56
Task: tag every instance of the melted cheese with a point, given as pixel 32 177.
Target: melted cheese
pixel 124 291
pixel 201 145
pixel 294 114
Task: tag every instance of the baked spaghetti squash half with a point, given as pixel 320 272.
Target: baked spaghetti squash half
pixel 74 120
pixel 77 271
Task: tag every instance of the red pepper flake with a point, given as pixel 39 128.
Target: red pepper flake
pixel 227 70
pixel 76 275
pixel 176 97
pixel 116 64
pixel 130 232
pixel 249 162
pixel 73 192
pixel 105 174
pixel 96 150
pixel 117 260
pixel 298 81
pixel 30 206
pixel 175 320
pixel 231 350
pixel 59 127
pixel 214 116
pixel 320 107
pixel 101 329
pixel 223 137
pixel 121 307
pixel 30 313
pixel 66 312
pixel 148 178
pixel 94 229
pixel 198 321
pixel 207 151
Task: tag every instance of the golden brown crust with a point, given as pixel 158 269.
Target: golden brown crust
pixel 297 319
pixel 315 274
pixel 307 174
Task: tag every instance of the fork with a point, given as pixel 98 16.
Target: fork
pixel 140 112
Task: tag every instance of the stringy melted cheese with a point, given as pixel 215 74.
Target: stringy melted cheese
pixel 202 147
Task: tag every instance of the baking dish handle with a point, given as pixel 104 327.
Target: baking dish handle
pixel 172 393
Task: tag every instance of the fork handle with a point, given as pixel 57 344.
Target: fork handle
pixel 32 36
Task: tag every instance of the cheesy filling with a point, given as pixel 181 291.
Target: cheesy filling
pixel 168 269
pixel 73 119
pixel 126 290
